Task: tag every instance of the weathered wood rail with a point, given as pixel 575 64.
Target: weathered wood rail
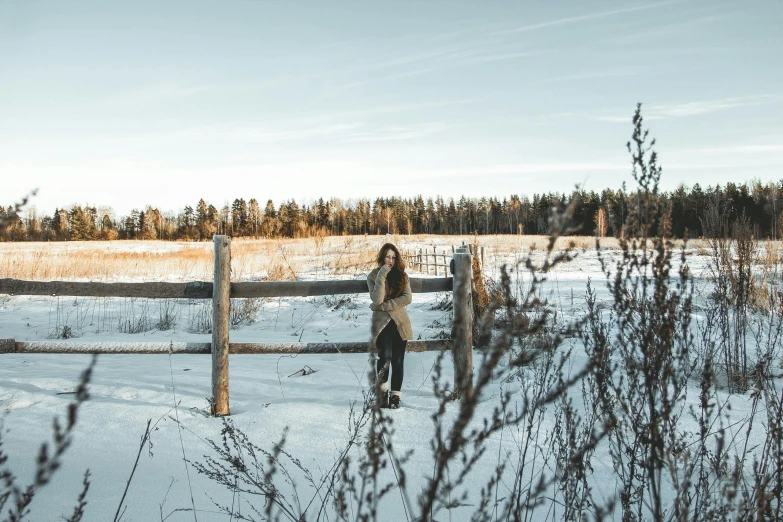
pixel 203 289
pixel 221 290
pixel 13 346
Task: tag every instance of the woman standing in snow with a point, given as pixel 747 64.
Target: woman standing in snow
pixel 390 293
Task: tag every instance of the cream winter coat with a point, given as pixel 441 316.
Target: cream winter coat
pixel 384 309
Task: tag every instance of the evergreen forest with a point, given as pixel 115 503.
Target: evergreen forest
pixel 595 214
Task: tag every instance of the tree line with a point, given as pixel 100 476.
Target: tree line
pixel 594 214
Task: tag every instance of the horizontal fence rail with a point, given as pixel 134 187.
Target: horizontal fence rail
pixel 203 289
pixel 312 288
pixel 153 290
pixel 12 346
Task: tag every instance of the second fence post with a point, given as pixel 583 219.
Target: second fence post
pixel 462 328
pixel 221 293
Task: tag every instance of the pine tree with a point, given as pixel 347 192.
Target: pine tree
pixel 254 217
pixel 149 224
pixel 82 224
pixel 129 231
pixel 91 214
pixel 239 217
pixel 202 219
pixel 187 223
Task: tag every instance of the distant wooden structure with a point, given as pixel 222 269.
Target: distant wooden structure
pixel 423 259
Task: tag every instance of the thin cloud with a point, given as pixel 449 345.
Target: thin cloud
pixel 387 78
pixel 213 134
pixel 582 76
pixel 400 108
pixel 486 47
pixel 271 136
pixel 741 149
pixel 697 108
pixel 705 107
pixel 398 133
pixel 448 62
pixel 504 56
pixel 342 132
pixel 483 48
pixel 173 90
pixel 155 92
pixel 573 19
pixel 527 168
pixel 671 29
pixel 437 54
pixel 740 166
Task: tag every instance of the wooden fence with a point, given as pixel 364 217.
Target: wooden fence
pixel 422 259
pixel 221 290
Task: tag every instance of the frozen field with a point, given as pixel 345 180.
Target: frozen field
pixel 268 392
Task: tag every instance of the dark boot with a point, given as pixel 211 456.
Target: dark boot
pixel 394 401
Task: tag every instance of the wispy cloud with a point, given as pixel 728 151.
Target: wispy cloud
pixel 443 53
pixel 580 18
pixel 397 133
pixel 452 62
pixel 705 107
pixel 436 61
pixel 696 108
pixel 500 56
pixel 153 92
pixel 740 166
pixel 211 136
pixel 528 168
pixel 378 79
pixel 486 46
pixel 337 132
pixel 413 58
pixel 397 108
pixel 684 23
pixel 739 149
pixel 582 76
pixel 251 134
pixel 164 91
pixel 309 134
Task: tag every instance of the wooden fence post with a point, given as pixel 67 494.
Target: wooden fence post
pixel 221 302
pixel 435 259
pixel 462 328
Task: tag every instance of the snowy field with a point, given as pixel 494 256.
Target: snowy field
pixel 268 393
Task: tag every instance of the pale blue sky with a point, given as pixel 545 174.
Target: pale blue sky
pixel 133 103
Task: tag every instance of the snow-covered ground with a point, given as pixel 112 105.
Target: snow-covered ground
pixel 267 393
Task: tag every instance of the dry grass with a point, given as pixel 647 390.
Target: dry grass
pixel 771 256
pixel 264 259
pixel 98 261
pixel 180 261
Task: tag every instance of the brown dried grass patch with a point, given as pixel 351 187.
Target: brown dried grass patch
pixel 259 259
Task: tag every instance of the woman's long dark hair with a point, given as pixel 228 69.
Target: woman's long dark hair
pixel 397 278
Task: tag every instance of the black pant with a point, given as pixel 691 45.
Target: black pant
pixel 391 349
